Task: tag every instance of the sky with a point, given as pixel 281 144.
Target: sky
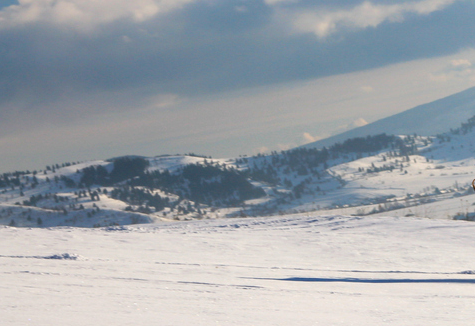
pixel 87 79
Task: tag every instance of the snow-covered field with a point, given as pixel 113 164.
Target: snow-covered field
pixel 283 270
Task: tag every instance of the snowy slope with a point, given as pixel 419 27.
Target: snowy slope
pixel 284 270
pixel 106 211
pixel 434 182
pixel 65 207
pixel 427 120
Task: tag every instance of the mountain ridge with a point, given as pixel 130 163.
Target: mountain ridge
pixel 426 119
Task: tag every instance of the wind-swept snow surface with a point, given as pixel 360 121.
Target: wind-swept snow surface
pixel 287 270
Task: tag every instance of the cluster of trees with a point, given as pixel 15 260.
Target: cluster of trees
pixel 124 169
pixel 374 169
pixel 94 175
pixel 405 146
pixel 140 197
pixel 266 173
pixel 208 184
pixel 366 144
pixel 34 199
pixel 465 127
pixel 10 179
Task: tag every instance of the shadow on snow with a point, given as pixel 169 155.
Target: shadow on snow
pixel 370 280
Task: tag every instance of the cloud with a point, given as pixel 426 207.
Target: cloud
pixel 367 14
pixel 84 15
pixel 197 47
pixel 460 64
pixel 455 69
pixel 360 122
pixel 308 138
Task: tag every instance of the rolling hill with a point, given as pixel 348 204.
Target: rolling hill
pixel 405 175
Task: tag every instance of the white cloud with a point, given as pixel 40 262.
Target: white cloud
pixel 428 6
pixel 455 69
pixel 461 63
pixel 360 122
pixel 84 15
pixel 367 14
pixel 308 138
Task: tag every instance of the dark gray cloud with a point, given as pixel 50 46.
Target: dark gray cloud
pixel 263 54
pixel 213 46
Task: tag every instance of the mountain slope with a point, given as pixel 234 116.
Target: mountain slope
pixel 428 120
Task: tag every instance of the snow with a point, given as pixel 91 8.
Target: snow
pixel 436 183
pixel 428 119
pixel 283 270
pixel 369 247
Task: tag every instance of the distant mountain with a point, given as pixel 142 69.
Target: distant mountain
pixel 426 120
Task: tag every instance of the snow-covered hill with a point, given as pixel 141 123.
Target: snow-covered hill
pixel 432 179
pixel 285 270
pixel 427 120
pixel 404 174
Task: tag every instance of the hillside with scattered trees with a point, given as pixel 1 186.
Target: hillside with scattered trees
pixel 134 189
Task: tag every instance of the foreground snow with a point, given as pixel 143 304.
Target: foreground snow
pixel 287 270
